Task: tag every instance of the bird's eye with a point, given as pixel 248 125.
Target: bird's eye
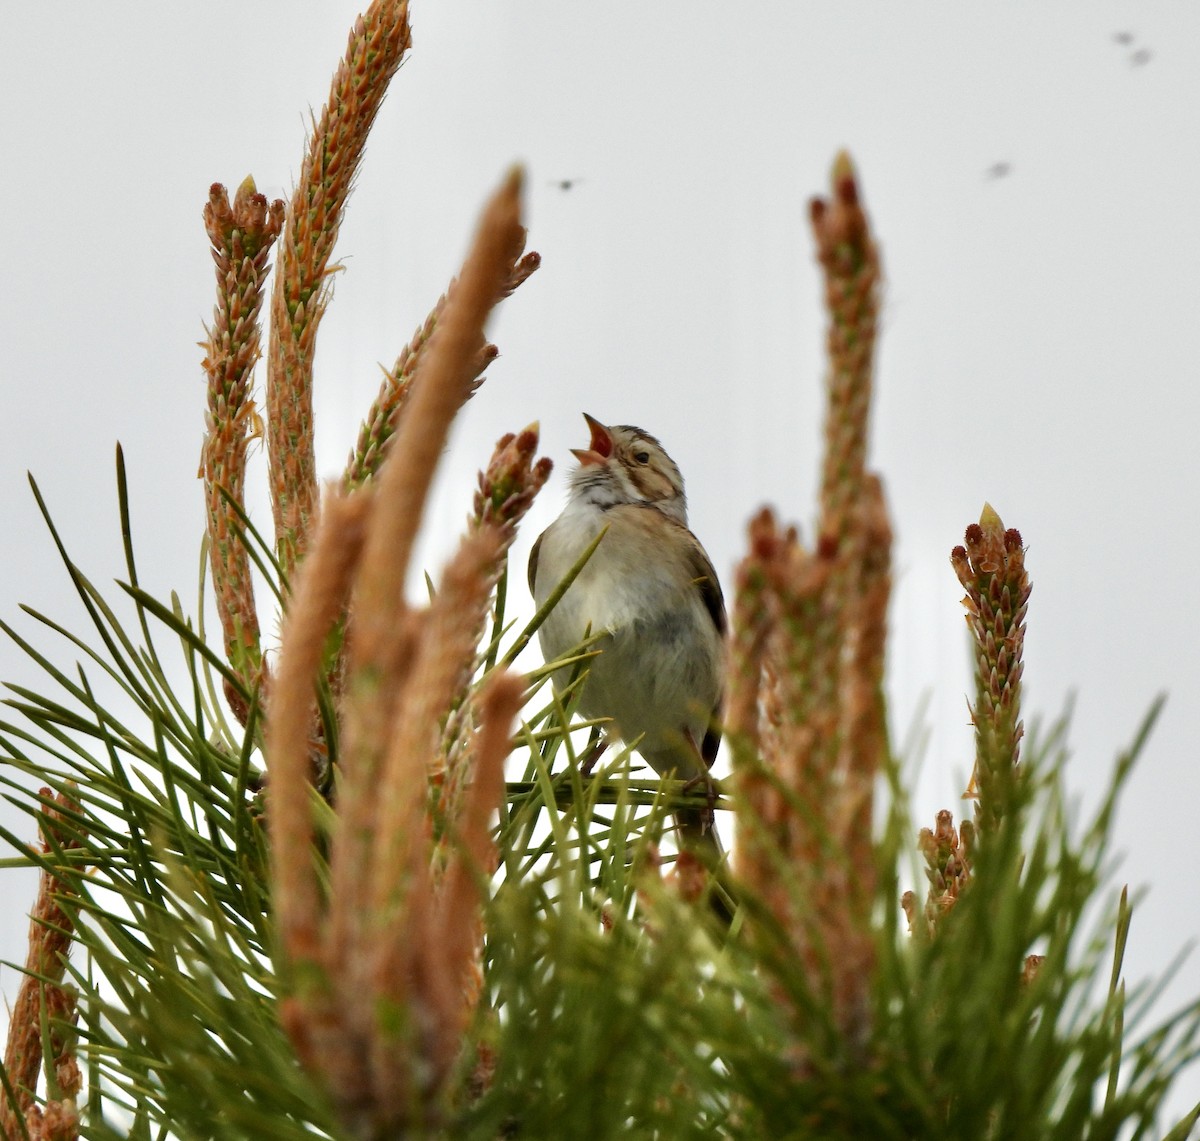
pixel 642 457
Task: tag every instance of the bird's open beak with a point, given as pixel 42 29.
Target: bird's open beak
pixel 601 445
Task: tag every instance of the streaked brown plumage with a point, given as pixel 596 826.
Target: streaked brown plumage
pixel 650 588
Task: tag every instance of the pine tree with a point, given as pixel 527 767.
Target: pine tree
pixel 364 890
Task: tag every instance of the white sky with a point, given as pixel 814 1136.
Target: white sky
pixel 1040 337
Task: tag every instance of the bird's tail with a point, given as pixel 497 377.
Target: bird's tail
pixel 698 838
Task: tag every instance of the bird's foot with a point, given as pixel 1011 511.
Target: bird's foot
pixel 596 748
pixel 703 778
pixel 708 814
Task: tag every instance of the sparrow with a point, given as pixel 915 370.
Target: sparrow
pixel 649 590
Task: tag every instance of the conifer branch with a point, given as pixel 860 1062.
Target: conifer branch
pixel 376 48
pixel 242 235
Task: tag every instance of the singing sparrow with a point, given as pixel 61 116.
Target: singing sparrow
pixel 651 591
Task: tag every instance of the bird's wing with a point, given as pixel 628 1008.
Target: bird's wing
pixel 648 519
pixel 705 578
pixel 533 561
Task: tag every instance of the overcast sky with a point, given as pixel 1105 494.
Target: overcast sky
pixel 1030 170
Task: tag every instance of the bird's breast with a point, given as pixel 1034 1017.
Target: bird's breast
pixel 636 590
